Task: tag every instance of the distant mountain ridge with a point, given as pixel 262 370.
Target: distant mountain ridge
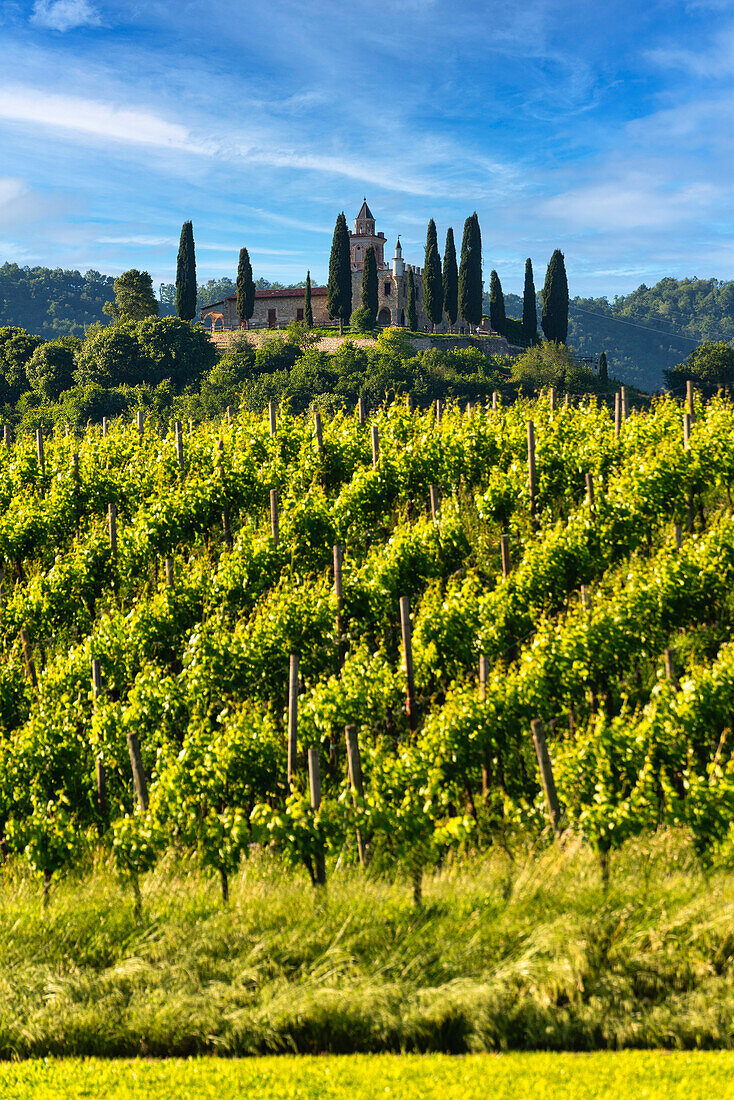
pixel 642 333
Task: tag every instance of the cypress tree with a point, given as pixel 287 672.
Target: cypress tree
pixel 497 315
pixel 245 289
pixel 369 285
pixel 339 297
pixel 450 280
pixel 412 313
pixel 529 306
pixel 307 310
pixel 470 272
pixel 186 275
pixel 432 282
pixel 603 369
pixel 555 300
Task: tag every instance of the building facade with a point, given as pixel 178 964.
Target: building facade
pixel 277 308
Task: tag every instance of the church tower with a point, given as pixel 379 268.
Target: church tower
pixel 364 235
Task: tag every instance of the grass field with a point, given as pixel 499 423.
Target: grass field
pixel 522 955
pixel 690 1076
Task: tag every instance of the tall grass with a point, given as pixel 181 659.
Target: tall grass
pixel 506 953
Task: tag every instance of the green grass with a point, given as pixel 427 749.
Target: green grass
pixel 523 955
pixel 690 1076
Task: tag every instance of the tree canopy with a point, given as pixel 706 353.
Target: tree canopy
pixel 470 272
pixel 497 316
pixel 555 300
pixel 186 274
pixel 339 291
pixel 134 297
pixel 369 286
pixel 450 279
pixel 432 278
pixel 245 288
pixel 529 306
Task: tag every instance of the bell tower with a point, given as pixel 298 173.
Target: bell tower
pixel 364 235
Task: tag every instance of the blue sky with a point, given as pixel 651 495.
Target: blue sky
pixel 604 129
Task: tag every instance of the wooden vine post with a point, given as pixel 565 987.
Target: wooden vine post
pixel 495 399
pixel 179 445
pixel 408 651
pixel 169 572
pixel 590 492
pixel 439 410
pixel 360 411
pixel 623 402
pixel 226 528
pixel 487 763
pixel 354 761
pixel 112 528
pixel 292 718
pixel 678 536
pixel 409 403
pixel 434 502
pixel 273 417
pixel 319 430
pixel 136 763
pixel 314 782
pixel 75 475
pixel 39 450
pixel 505 551
pixel 689 399
pixel 30 667
pixel 7 436
pixel 375 433
pixel 552 398
pixel 339 593
pixel 532 486
pixel 546 774
pixel 140 422
pixel 105 427
pixel 670 671
pixel 617 415
pixel 274 517
pixel 102 803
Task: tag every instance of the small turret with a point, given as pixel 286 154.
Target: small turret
pixel 398 267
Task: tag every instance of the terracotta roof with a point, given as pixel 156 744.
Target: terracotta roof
pixel 285 292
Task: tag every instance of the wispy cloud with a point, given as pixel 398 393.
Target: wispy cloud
pixel 64 15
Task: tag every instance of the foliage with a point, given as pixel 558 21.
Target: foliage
pixel 432 281
pixel 362 320
pixel 52 302
pixel 308 309
pixel 245 288
pixel 470 272
pixel 555 300
pixel 370 299
pixel 50 369
pixel 711 364
pixel 551 364
pixel 186 274
pixel 497 318
pixel 339 297
pixel 134 297
pixel 529 306
pixel 412 313
pixel 450 279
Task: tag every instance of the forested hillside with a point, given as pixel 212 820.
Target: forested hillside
pixel 649 330
pixel 52 302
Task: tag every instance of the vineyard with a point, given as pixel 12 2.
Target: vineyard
pixel 372 640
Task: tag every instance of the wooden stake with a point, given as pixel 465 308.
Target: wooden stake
pixel 531 466
pixel 96 679
pixel 39 450
pixel 689 398
pixel 617 415
pixel 590 491
pixel 169 572
pixel 339 593
pixel 505 551
pixel 179 445
pixel 408 650
pixel 102 804
pixel 140 421
pixel 360 411
pixel 670 666
pixel 30 667
pixel 274 519
pixel 319 430
pixel 191 425
pixel 273 417
pixel 434 502
pixel 355 780
pixel 229 415
pixel 292 718
pixel 585 597
pixel 546 774
pixel 483 676
pixel 75 474
pixel 314 778
pixel 623 402
pixel 112 527
pixel 439 410
pixel 375 444
pixel 495 397
pixel 105 427
pixel 687 430
pixel 7 436
pixel 136 763
pixel 678 536
pixel 226 529
pixel 409 402
pixel 552 396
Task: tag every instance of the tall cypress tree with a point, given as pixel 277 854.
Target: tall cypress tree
pixel 497 314
pixel 603 368
pixel 432 282
pixel 529 306
pixel 450 280
pixel 339 296
pixel 186 275
pixel 369 285
pixel 470 272
pixel 307 310
pixel 412 313
pixel 245 289
pixel 555 300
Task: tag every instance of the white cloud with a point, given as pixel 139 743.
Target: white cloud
pixel 94 119
pixel 631 202
pixel 64 15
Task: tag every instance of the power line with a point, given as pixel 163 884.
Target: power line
pixel 633 324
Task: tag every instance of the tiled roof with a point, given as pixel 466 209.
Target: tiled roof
pixel 365 212
pixel 285 292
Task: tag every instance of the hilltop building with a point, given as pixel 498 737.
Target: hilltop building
pixel 277 308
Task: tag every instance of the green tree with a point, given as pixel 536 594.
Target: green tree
pixel 245 289
pixel 555 300
pixel 186 274
pixel 470 272
pixel 339 296
pixel 50 369
pixel 16 348
pixel 307 307
pixel 529 306
pixel 432 282
pixel 412 312
pixel 497 315
pixel 134 297
pixel 450 280
pixel 369 286
pixel 710 364
pixel 603 369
